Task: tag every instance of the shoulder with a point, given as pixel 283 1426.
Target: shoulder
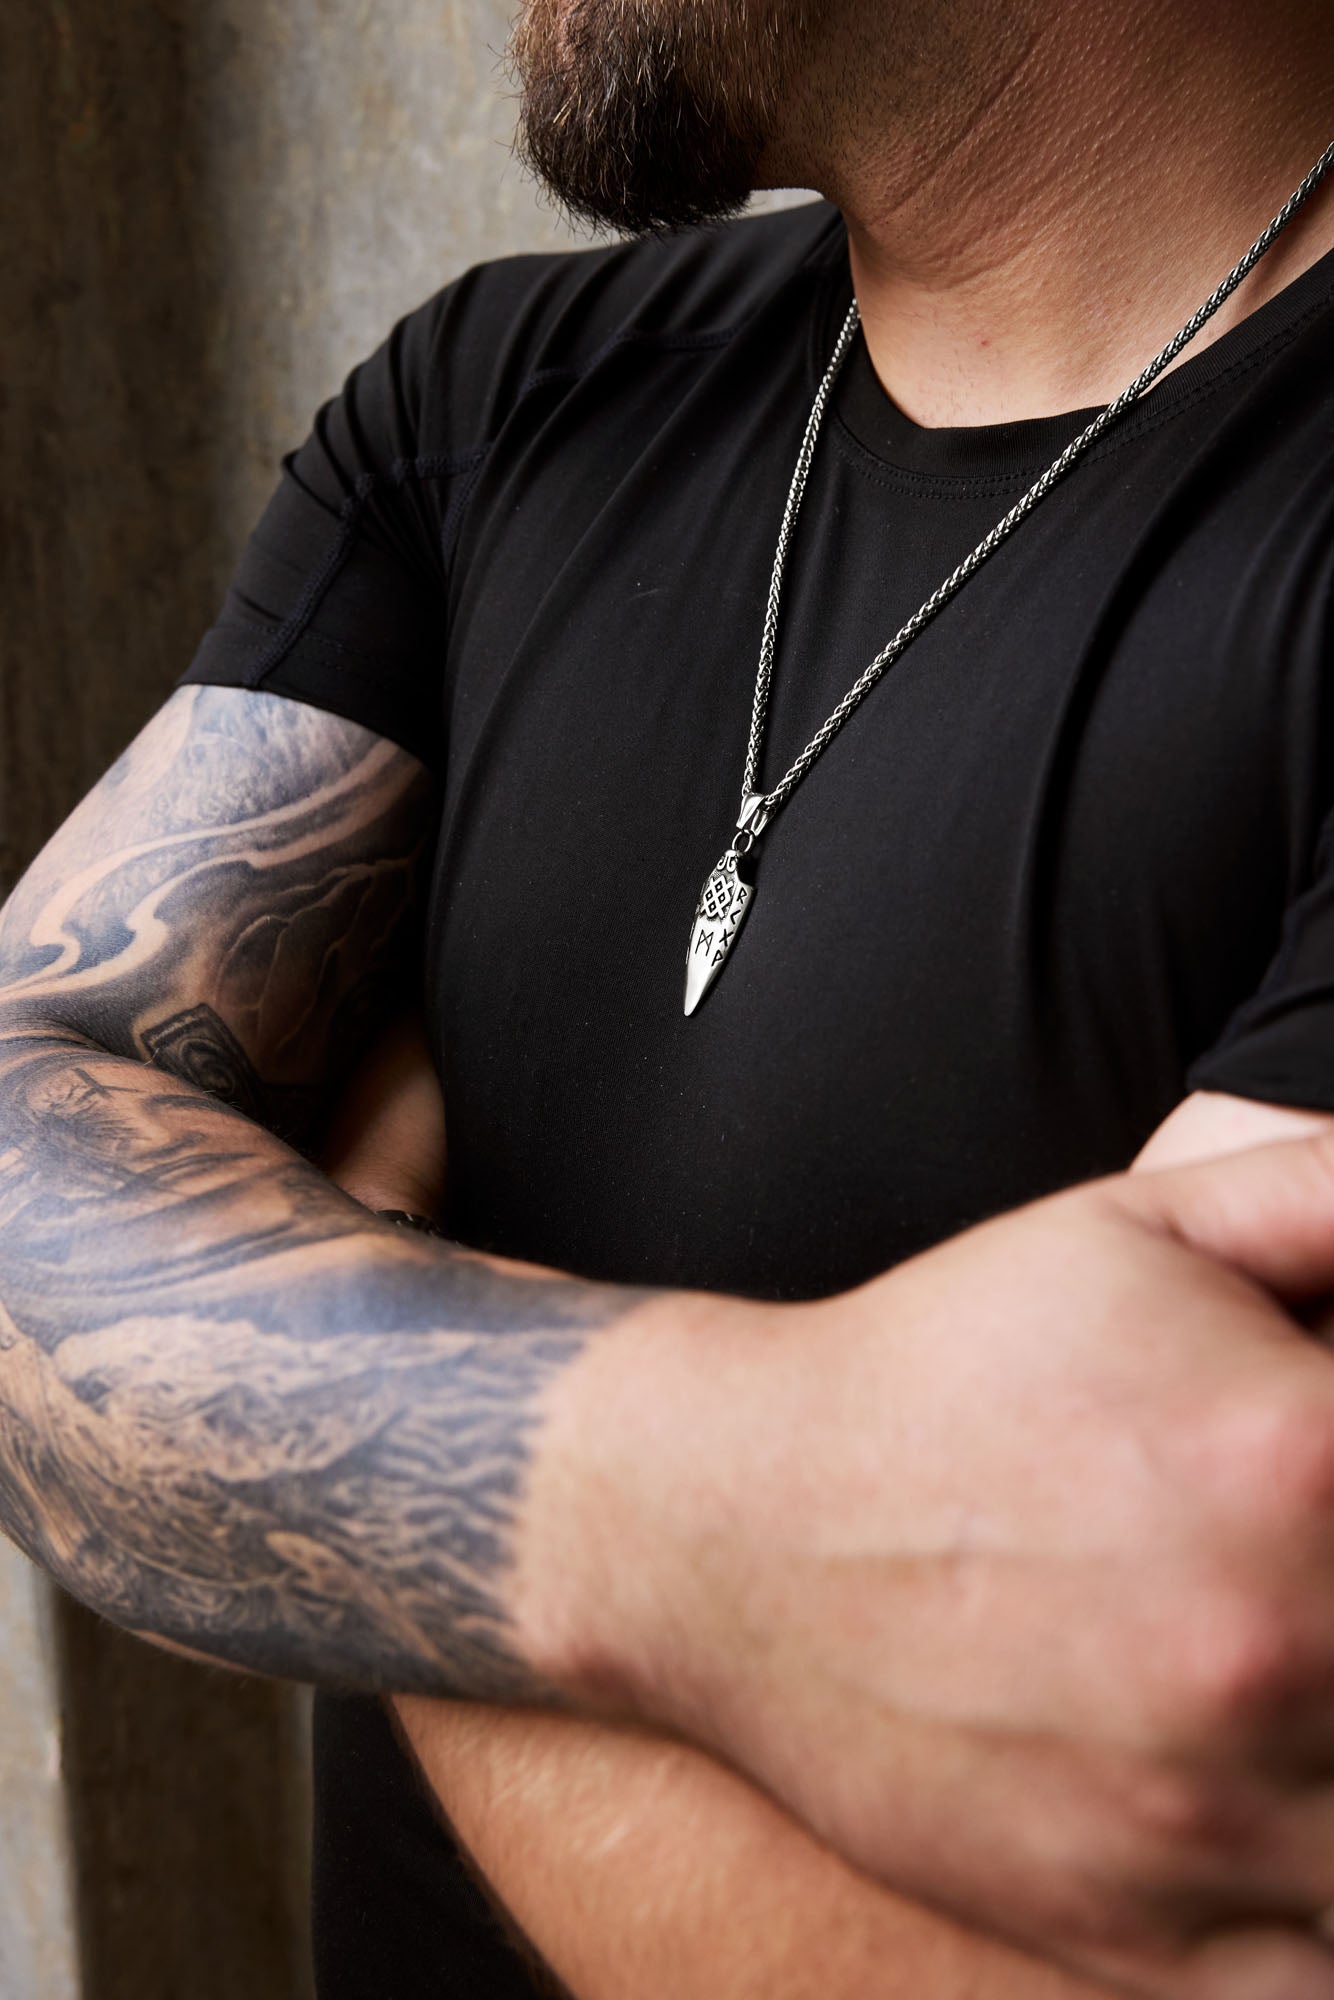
pixel 470 354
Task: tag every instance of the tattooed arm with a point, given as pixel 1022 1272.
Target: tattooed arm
pixel 236 1411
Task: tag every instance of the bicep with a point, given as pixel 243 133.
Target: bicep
pixel 230 901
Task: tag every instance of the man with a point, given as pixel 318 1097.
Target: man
pixel 1007 1572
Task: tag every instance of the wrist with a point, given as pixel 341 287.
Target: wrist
pixel 664 1451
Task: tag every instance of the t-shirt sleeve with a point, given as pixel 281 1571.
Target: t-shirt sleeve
pixel 1279 1044
pixel 339 598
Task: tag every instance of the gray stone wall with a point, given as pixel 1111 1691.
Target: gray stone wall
pixel 38 1934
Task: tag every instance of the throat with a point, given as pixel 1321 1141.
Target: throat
pixel 1036 266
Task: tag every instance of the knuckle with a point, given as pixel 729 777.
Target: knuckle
pixel 1321 1148
pixel 1275 1456
pixel 1241 1661
pixel 1245 1664
pixel 1188 1812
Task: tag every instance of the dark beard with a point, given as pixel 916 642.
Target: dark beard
pixel 645 115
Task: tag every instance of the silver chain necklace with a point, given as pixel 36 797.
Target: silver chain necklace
pixel 729 889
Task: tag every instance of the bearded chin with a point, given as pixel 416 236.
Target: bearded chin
pixel 648 115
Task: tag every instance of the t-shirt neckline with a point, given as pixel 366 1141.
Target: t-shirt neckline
pixel 990 451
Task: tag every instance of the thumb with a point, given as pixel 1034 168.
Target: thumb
pixel 1268 1212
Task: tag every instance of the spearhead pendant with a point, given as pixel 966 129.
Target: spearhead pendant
pixel 719 915
pixel 725 899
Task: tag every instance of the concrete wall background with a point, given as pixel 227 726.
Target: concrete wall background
pixel 38 1934
pixel 210 210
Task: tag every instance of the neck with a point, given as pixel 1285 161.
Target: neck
pixel 1071 198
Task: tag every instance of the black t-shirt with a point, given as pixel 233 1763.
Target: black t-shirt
pixel 1069 861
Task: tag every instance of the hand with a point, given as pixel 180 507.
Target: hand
pixel 1012 1573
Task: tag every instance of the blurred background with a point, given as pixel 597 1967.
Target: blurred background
pixel 210 210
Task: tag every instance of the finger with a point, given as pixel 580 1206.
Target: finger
pixel 1260 1964
pixel 1253 1964
pixel 1268 1212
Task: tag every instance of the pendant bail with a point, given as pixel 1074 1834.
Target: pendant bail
pixel 755 816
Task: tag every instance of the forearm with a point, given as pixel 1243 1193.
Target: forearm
pixel 642 1870
pixel 239 1412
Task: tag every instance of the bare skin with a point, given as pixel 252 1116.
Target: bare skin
pixel 1037 195
pixel 984 1465
pixel 638 1868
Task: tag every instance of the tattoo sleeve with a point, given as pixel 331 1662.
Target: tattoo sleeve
pixel 236 1411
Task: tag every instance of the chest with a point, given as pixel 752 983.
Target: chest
pixel 1010 903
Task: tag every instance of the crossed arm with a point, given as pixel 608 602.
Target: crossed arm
pixel 638 1868
pixel 887 1578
